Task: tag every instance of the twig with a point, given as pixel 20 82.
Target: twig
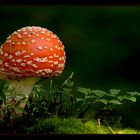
pixel 70 77
pixel 112 131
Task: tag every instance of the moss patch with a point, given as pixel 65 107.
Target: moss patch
pixel 56 125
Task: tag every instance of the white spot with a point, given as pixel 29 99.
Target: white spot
pixel 32 54
pixel 10 56
pixel 62 48
pixel 34 65
pixel 23 29
pixel 43 73
pixel 19 36
pixel 8 41
pixel 45 47
pixel 33 41
pixel 50 61
pixel 52 35
pixel 24 51
pixel 19 60
pixel 51 49
pixel 15 33
pixel 16 69
pixel 22 64
pixel 42 32
pixel 48 70
pixel 18 43
pixel 30 28
pixel 17 53
pixel 8 37
pixel 60 65
pixel 13 43
pixel 50 57
pixel 26 56
pixel 29 62
pixel 57 72
pixel 37 34
pixel 42 37
pixel 25 33
pixel 59 48
pixel 38 71
pixel 29 35
pixel 56 46
pixel 52 65
pixel 63 58
pixel 40 47
pixel 55 55
pixel 6 64
pixel 48 39
pixel 55 36
pixel 23 43
pixel 48 34
pixel 5 54
pixel 13 60
pixel 38 59
pixel 44 70
pixel 55 62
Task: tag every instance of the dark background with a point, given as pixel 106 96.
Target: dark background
pixel 102 44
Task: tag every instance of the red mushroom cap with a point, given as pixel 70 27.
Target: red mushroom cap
pixel 31 52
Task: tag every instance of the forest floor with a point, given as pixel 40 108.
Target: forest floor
pixel 56 125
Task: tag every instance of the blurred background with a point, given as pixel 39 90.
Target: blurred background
pixel 102 44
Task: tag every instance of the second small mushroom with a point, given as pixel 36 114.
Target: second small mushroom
pixel 29 54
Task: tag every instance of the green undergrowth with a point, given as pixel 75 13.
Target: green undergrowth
pixel 57 125
pixel 55 107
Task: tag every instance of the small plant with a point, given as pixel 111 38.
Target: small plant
pixel 102 103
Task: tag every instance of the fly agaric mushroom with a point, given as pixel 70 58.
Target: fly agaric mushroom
pixel 29 54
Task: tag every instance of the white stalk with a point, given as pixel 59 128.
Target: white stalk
pixel 20 89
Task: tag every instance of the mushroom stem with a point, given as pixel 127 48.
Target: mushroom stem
pixel 20 90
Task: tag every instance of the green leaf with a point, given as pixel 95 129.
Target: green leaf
pixel 90 98
pixel 70 84
pixel 78 103
pixel 104 101
pixel 109 95
pixel 115 102
pixel 133 99
pixel 99 93
pixel 133 93
pixel 83 90
pixel 114 91
pixel 121 98
pixel 79 99
pixel 67 90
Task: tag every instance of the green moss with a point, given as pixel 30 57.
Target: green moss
pixel 62 126
pixel 56 125
pixel 128 131
pixel 93 127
